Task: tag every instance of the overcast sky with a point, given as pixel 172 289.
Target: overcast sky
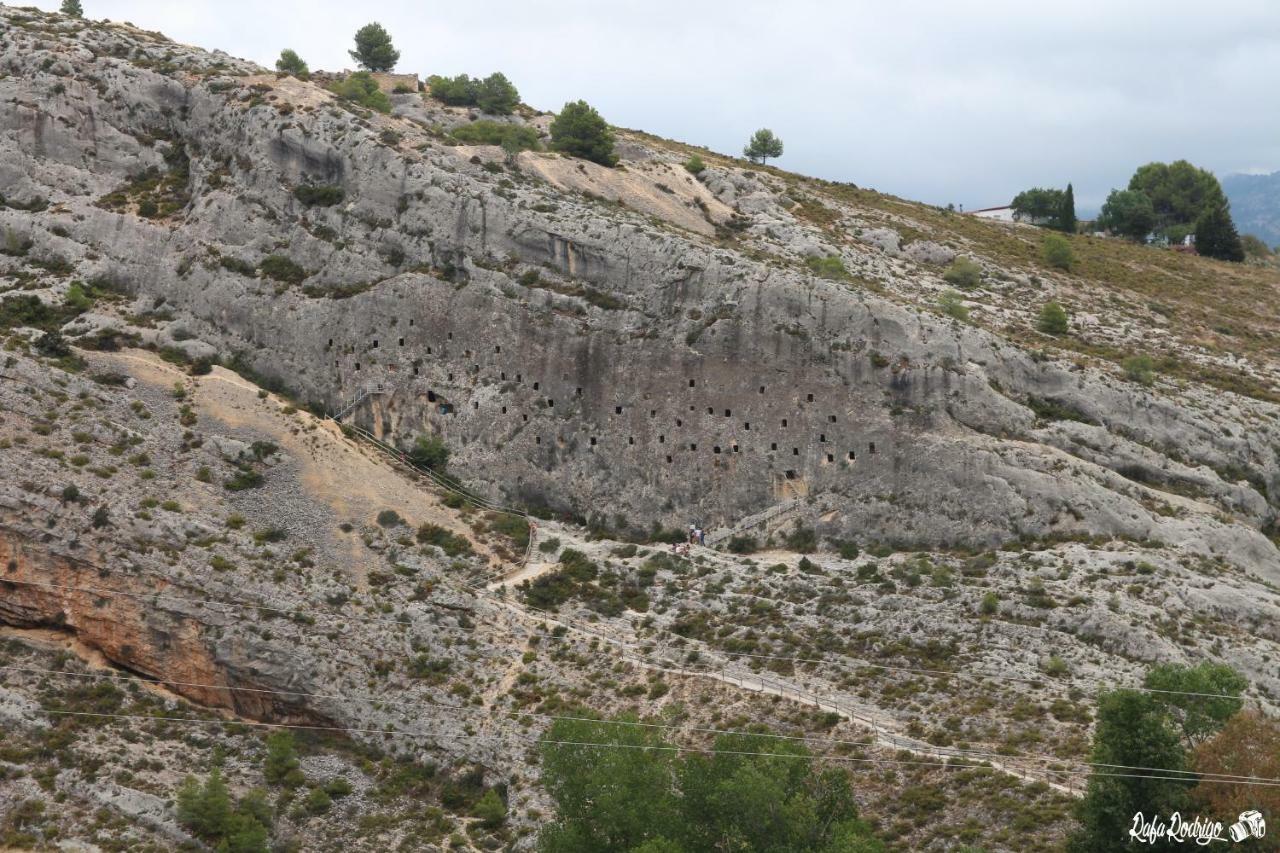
pixel 963 101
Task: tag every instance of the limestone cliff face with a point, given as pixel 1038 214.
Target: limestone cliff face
pixel 144 623
pixel 576 353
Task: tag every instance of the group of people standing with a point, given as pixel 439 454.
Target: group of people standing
pixel 697 536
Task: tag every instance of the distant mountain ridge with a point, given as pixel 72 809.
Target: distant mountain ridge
pixel 1255 204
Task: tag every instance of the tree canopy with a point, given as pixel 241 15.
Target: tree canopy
pixel 640 795
pixel 1153 729
pixel 1216 235
pixel 72 8
pixel 374 51
pixel 581 132
pixel 762 145
pixel 1132 730
pixel 494 94
pixel 1179 192
pixel 290 63
pixel 1197 717
pixel 1053 208
pixel 1128 213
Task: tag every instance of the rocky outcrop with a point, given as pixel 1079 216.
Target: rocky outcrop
pixel 576 353
pixel 149 625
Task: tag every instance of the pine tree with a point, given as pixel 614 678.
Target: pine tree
pixel 72 8
pixel 581 132
pixel 496 94
pixel 374 51
pixel 290 63
pixel 1216 235
pixel 1066 219
pixel 762 146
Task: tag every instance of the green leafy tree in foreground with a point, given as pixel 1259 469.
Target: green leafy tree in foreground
pixel 1128 213
pixel 72 8
pixel 1133 729
pixel 290 63
pixel 1197 717
pixel 762 145
pixel 581 132
pixel 374 51
pixel 642 796
pixel 1216 235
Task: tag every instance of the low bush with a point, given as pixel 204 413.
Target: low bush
pixel 830 267
pixel 1053 319
pixel 282 269
pixel 963 273
pixel 322 195
pixel 360 88
pixel 510 136
pixel 1056 252
pixel 1140 369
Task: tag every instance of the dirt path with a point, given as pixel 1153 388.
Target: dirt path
pixel 883 737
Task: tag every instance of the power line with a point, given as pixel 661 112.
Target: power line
pixel 654 747
pixel 974 754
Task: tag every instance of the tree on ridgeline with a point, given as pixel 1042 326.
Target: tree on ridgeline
pixel 374 51
pixel 1128 213
pixel 762 145
pixel 290 63
pixel 72 8
pixel 581 132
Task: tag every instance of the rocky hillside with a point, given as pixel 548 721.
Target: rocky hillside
pixel 196 251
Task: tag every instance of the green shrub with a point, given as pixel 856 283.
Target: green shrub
pixel 322 195
pixel 459 91
pixel 1053 319
pixel 742 544
pixel 281 762
pixel 389 518
pixel 952 304
pixel 512 137
pixel 990 604
pixel 452 544
pixel 801 539
pixel 362 89
pixel 694 165
pixel 429 451
pixel 581 132
pixel 282 269
pixel 244 478
pixel 491 810
pixel 236 265
pixel 1057 252
pixel 549 546
pixel 831 266
pixel 963 273
pixel 1140 369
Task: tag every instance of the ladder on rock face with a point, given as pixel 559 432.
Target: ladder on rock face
pixel 370 390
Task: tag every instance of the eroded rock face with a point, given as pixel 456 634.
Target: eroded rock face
pixel 144 623
pixel 580 355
